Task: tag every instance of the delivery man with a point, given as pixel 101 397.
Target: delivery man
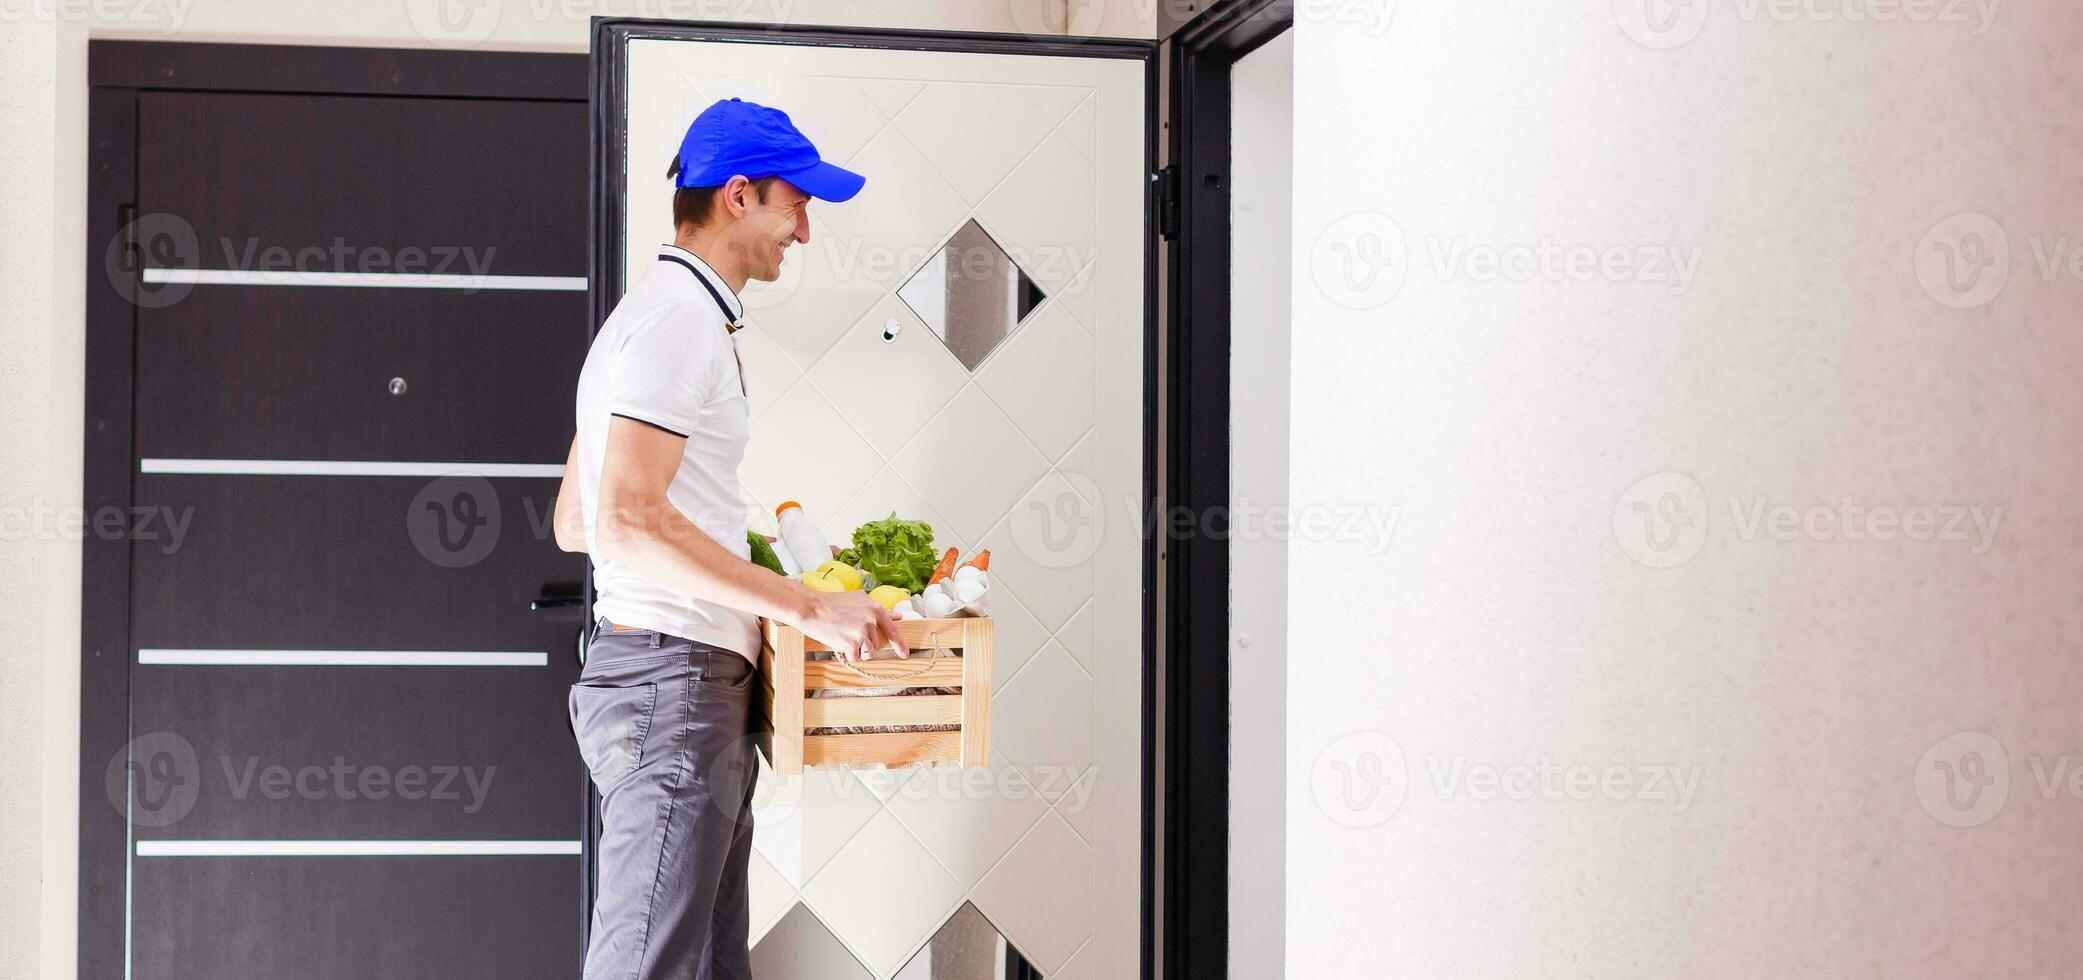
pixel 664 708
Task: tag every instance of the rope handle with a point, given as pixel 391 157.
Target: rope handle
pixel 932 638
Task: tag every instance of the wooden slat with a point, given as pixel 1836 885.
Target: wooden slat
pixel 976 679
pixel 783 663
pixel 911 709
pixel 894 750
pixel 918 634
pixel 822 674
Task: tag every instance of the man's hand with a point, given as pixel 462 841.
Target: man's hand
pixel 852 624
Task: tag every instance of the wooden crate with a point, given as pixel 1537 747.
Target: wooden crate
pixel 789 675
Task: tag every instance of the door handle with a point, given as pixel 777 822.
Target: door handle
pixel 564 603
pixel 560 602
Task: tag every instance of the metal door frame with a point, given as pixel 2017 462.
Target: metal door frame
pixel 1161 755
pixel 1200 57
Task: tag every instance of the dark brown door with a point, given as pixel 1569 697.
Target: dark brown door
pixel 358 321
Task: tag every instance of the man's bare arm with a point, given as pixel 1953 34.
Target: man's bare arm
pixel 637 526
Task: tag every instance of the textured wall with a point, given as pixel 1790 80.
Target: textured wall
pixel 1538 605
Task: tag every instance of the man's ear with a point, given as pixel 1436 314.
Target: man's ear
pixel 737 195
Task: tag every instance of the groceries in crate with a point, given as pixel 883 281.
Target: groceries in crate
pixel 954 590
pixel 834 576
pixel 891 559
pixel 888 595
pixel 801 546
pixel 893 550
pixel 763 552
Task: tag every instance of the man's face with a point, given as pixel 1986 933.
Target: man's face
pixel 769 226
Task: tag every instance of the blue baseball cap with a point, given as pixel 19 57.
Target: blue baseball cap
pixel 734 138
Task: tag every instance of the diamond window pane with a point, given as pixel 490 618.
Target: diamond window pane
pixel 968 947
pixel 972 294
pixel 799 947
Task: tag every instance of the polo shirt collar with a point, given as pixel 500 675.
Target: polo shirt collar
pixel 692 263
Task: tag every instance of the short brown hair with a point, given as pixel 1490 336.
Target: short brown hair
pixel 695 205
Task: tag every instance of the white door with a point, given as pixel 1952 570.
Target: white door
pixel 1021 431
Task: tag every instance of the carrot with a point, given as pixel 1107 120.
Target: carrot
pixel 982 561
pixel 945 569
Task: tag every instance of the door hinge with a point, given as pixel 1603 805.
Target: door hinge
pixel 1165 184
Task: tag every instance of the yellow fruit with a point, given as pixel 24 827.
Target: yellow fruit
pixel 825 580
pixel 889 595
pixel 846 573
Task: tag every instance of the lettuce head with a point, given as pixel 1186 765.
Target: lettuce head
pixel 896 551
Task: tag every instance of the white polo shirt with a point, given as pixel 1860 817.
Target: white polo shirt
pixel 666 358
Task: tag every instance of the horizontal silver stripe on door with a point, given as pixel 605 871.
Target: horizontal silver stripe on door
pixel 344 658
pixel 331 467
pixel 351 848
pixel 381 280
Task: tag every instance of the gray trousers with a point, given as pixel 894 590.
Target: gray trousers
pixel 666 727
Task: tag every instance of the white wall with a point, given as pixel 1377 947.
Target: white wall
pixel 43 51
pixel 1262 94
pixel 38 371
pixel 1809 681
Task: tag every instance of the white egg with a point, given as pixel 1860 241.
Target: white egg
pixel 938 605
pixel 969 591
pixel 968 573
pixel 905 610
